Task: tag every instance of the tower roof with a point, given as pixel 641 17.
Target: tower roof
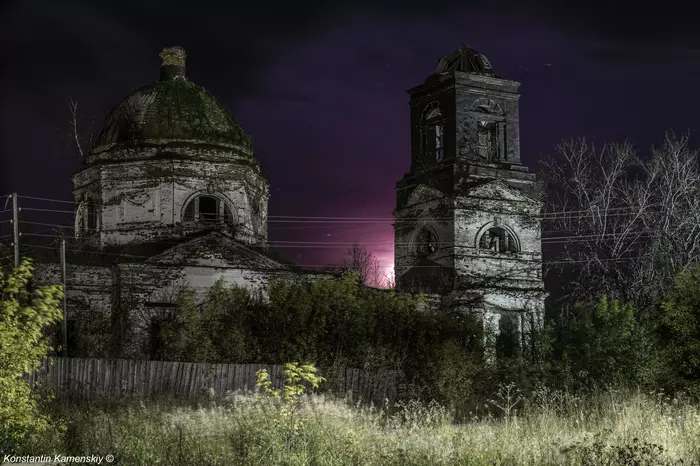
pixel 171 111
pixel 466 60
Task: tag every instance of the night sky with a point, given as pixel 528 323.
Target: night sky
pixel 322 88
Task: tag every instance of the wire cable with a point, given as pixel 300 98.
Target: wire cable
pixel 45 199
pixel 555 215
pixel 45 224
pixel 622 259
pixel 46 210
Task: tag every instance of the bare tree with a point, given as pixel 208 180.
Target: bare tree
pixel 75 133
pixel 362 260
pixel 625 224
pixel 390 280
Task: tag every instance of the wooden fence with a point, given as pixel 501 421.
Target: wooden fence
pixel 87 378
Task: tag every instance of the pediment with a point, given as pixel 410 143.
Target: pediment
pixel 216 250
pixel 499 191
pixel 423 193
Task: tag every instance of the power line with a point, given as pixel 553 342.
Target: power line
pixel 318 244
pixel 378 221
pixel 622 259
pixel 86 251
pixel 280 218
pixel 45 224
pixel 327 226
pixel 47 210
pixel 45 199
pixel 38 234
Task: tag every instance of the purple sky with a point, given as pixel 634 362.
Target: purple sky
pixel 322 90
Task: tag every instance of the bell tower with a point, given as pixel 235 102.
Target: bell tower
pixel 467 220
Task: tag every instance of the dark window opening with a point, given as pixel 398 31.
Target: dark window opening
pixel 91 217
pixel 433 133
pixel 208 209
pixel 508 339
pixel 156 340
pixel 425 243
pixel 487 142
pixel 499 240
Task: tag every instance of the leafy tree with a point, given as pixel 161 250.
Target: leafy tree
pixel 24 318
pixel 679 326
pixel 287 419
pixel 606 343
pixel 336 322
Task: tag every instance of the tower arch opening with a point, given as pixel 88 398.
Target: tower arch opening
pixel 208 209
pixel 486 131
pixel 433 132
pixel 497 238
pixel 425 242
pixel 87 218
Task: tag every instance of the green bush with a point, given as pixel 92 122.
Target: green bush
pixel 24 318
pixel 679 329
pixel 604 344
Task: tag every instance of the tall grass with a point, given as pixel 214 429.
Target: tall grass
pixel 548 427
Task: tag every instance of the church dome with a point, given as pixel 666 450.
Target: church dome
pixel 466 60
pixel 171 112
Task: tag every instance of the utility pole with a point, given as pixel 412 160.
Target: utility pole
pixel 64 325
pixel 15 228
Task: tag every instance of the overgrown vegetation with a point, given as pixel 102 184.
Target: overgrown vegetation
pixel 24 318
pixel 336 324
pixel 590 389
pixel 550 428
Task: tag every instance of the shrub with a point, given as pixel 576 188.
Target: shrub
pixel 24 318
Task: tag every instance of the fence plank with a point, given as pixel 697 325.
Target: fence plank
pixel 89 377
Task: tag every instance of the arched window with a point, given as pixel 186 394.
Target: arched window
pixel 433 132
pixel 425 243
pixel 490 130
pixel 499 240
pixel 87 218
pixel 91 216
pixel 487 141
pixel 209 210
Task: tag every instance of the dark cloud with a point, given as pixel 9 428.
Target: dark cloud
pixel 321 86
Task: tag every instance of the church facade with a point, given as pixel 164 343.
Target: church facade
pixel 467 221
pixel 171 195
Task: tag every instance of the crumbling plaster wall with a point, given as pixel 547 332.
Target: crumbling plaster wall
pixel 144 200
pixel 89 299
pixel 88 284
pixel 425 210
pixel 473 90
pixel 522 269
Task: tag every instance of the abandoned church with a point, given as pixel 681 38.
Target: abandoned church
pixel 171 194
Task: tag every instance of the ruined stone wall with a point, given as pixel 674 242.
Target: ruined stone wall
pixel 425 210
pixel 89 298
pixel 87 284
pixel 472 91
pixel 474 265
pixel 145 200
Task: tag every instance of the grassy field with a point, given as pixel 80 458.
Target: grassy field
pixel 552 428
